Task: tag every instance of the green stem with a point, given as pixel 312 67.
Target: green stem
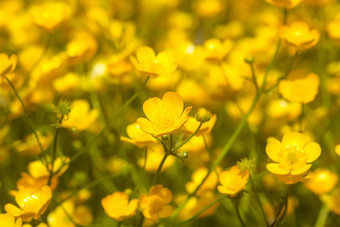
pixel 26 115
pixel 282 211
pixel 140 223
pixel 285 15
pixel 238 213
pixel 322 217
pixel 196 215
pixel 159 169
pixel 258 199
pixel 190 137
pixel 145 157
pixel 54 151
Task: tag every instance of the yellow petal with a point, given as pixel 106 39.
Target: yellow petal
pixel 273 149
pixel 275 168
pixel 152 108
pixel 293 139
pixel 173 104
pixel 301 170
pixel 313 151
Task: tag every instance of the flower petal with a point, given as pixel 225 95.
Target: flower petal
pixel 275 168
pixel 152 108
pixel 313 151
pixel 293 139
pixel 273 149
pixel 173 104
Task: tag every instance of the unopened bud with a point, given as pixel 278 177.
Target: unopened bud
pixel 166 138
pixel 249 59
pixel 203 115
pixel 183 154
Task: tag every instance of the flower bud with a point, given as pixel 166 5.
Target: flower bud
pixel 203 115
pixel 183 154
pixel 249 59
pixel 166 138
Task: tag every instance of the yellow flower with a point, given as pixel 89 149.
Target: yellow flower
pixel 197 178
pixel 333 29
pixel 300 35
pixel 68 83
pixel 50 15
pixel 81 48
pixel 147 63
pixel 216 50
pixel 233 181
pixel 7 64
pixel 332 201
pixel 30 146
pixel 281 109
pixel 32 203
pixel 118 206
pixel 337 149
pixel 208 8
pixel 81 117
pixel 300 87
pixel 37 169
pixel 164 116
pixel 155 204
pixel 289 4
pixel 137 136
pixel 292 156
pixel 8 220
pixel 321 181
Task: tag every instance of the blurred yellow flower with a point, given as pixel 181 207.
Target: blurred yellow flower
pixel 300 87
pixel 30 146
pixel 81 117
pixel 50 15
pixel 137 136
pixel 233 181
pixel 281 109
pixel 197 177
pixel 337 149
pixel 68 83
pixel 81 48
pixel 333 29
pixel 216 50
pixel 289 4
pixel 7 64
pixel 332 201
pixel 118 206
pixel 300 35
pixel 165 116
pixel 155 204
pixel 321 181
pixel 8 220
pixel 292 156
pixel 32 204
pixel 208 8
pixel 147 63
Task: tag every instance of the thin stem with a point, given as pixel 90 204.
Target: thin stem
pixel 196 215
pixel 140 224
pixel 270 66
pixel 238 214
pixel 159 169
pixel 26 114
pixel 285 16
pixel 322 217
pixel 258 199
pixel 254 76
pixel 54 151
pixel 282 211
pixel 190 137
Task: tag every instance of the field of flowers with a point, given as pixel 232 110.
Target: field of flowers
pixel 169 113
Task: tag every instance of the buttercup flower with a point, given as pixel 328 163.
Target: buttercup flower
pixel 81 117
pixel 7 64
pixel 137 136
pixel 233 181
pixel 292 157
pixel 321 181
pixel 289 4
pixel 300 87
pixel 332 201
pixel 32 204
pixel 50 15
pixel 147 63
pixel 8 220
pixel 300 35
pixel 164 116
pixel 216 50
pixel 118 206
pixel 155 204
